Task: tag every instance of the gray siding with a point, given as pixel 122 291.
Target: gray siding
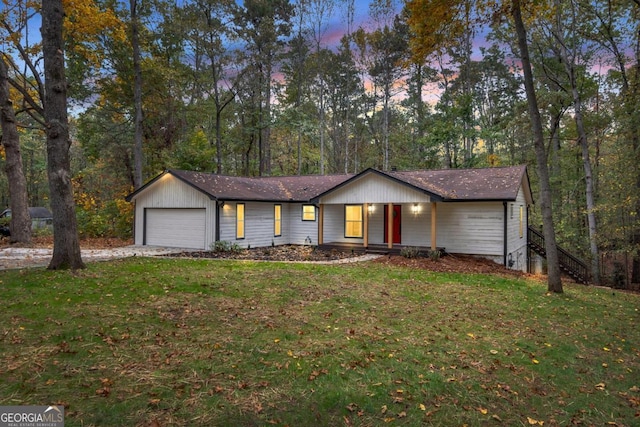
pixel 259 225
pixel 300 230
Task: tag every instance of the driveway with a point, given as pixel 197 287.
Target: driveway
pixel 39 257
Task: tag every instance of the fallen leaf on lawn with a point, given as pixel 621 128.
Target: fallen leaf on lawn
pixel 497 418
pixel 470 335
pixel 493 351
pixel 535 361
pixel 600 386
pixel 422 407
pixel 402 414
pixel 606 348
pixel 383 410
pixel 534 422
pixel 352 407
pixel 483 411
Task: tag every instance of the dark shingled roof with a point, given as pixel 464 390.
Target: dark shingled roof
pixel 467 184
pixel 282 188
pixel 445 184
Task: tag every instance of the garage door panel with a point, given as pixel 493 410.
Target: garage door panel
pixel 180 228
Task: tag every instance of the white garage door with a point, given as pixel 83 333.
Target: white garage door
pixel 177 228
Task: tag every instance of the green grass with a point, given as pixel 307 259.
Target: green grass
pixel 206 343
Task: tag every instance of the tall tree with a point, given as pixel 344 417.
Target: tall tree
pixel 614 26
pixel 207 34
pixel 319 13
pixel 568 56
pixel 435 23
pixel 20 225
pixel 66 246
pixel 138 160
pixel 554 281
pixel 263 24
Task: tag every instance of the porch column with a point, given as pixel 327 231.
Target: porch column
pixel 390 225
pixel 434 215
pixel 321 224
pixel 365 240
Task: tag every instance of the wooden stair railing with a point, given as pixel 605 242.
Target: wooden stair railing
pixel 571 265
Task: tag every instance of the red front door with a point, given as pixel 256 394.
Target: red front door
pixel 397 224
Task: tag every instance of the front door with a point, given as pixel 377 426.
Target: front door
pixel 397 224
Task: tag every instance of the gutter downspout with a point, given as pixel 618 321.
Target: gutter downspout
pixel 217 237
pixel 504 239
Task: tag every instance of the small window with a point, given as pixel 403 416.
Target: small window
pixel 308 213
pixel 353 221
pixel 277 220
pixel 521 221
pixel 240 221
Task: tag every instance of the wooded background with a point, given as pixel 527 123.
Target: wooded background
pixel 277 87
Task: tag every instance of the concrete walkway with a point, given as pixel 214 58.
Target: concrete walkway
pixel 39 257
pixel 13 258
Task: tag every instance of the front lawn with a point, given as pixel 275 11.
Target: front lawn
pixel 174 342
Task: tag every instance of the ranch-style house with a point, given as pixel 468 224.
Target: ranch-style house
pixel 480 212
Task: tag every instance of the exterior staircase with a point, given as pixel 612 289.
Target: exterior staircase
pixel 569 264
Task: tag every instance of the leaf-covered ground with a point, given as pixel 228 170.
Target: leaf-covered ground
pixel 183 342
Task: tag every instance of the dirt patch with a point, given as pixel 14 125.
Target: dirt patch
pixel 452 264
pixel 276 253
pixel 447 263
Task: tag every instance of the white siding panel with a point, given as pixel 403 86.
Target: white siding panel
pixel 179 228
pixel 373 188
pixel 474 228
pixel 334 225
pixel 517 243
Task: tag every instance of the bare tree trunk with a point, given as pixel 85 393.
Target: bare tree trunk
pixel 66 247
pixel 554 282
pixel 569 66
pixel 137 95
pixel 20 225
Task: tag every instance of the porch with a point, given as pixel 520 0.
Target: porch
pixel 379 228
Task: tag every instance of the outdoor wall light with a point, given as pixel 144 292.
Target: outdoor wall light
pixel 415 208
pixel 370 209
